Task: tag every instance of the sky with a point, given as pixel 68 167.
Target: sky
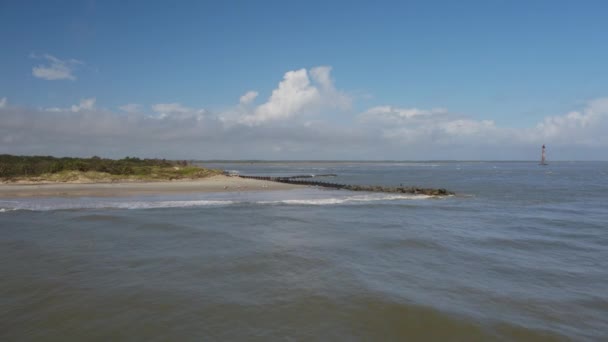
pixel 287 80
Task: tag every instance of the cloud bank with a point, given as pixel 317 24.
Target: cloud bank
pixel 297 121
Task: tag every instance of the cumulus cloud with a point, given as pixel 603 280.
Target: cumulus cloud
pixel 300 92
pixel 425 126
pixel 293 94
pixel 588 126
pixel 84 129
pixel 248 97
pixel 178 132
pixel 442 129
pixel 291 125
pixel 331 97
pixel 55 69
pixel 321 75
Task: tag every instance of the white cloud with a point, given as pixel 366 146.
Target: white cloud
pixel 131 108
pixel 291 125
pixel 321 75
pixel 426 126
pixel 467 126
pixel 588 126
pixel 248 97
pixel 331 97
pixel 56 69
pixel 439 127
pixel 84 105
pixel 293 94
pixel 300 92
pixel 390 114
pixel 178 111
pixel 166 108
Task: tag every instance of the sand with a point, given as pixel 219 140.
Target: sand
pixel 211 184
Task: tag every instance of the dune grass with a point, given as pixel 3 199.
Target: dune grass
pixel 51 169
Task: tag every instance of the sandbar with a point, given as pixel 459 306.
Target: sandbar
pixel 217 183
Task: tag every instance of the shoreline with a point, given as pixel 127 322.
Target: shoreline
pixel 217 183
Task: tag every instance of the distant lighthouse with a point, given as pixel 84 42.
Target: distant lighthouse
pixel 543 158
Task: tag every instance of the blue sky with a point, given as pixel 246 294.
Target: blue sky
pixel 511 63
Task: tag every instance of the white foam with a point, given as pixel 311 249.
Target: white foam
pixel 322 201
pixel 46 205
pixel 115 205
pixel 350 199
pixel 168 204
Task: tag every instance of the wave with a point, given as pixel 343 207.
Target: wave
pixel 56 204
pixel 116 205
pixel 171 204
pixel 351 199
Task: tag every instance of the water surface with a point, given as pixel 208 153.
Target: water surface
pixel 518 254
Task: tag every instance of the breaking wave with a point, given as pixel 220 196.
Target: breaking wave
pixel 350 199
pixel 115 205
pixel 72 204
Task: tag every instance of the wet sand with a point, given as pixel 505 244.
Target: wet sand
pixel 211 184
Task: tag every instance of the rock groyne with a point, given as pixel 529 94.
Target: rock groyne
pixel 368 188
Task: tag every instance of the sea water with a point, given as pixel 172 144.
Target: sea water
pixel 519 253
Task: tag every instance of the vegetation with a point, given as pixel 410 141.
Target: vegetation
pixel 46 168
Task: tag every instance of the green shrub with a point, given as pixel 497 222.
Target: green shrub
pixel 34 166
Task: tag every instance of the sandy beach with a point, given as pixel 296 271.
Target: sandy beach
pixel 211 184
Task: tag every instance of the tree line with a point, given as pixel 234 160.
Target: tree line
pixel 28 166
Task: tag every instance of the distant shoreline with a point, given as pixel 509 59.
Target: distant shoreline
pixel 218 183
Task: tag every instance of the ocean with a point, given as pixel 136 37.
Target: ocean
pixel 519 253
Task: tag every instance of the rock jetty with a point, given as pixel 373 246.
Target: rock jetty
pixel 368 188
